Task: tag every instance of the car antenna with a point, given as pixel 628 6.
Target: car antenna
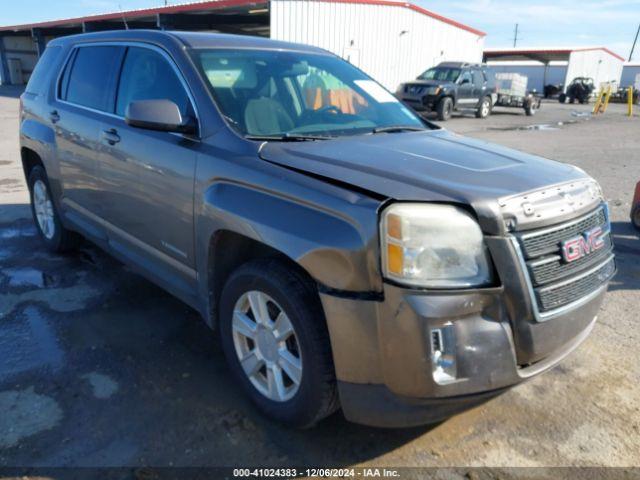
pixel 124 20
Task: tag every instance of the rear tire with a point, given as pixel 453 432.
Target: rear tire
pixel 290 378
pixel 45 215
pixel 444 108
pixel 484 110
pixel 530 108
pixel 562 98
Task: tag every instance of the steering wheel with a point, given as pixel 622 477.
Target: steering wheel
pixel 329 108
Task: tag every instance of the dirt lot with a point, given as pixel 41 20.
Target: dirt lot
pixel 101 368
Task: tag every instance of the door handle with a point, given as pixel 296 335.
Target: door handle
pixel 54 116
pixel 111 136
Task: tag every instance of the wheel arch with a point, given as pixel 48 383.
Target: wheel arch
pixel 30 158
pixel 227 251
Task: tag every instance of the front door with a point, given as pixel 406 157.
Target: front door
pixel 148 175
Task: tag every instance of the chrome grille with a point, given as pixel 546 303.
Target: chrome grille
pixel 548 240
pixel 552 267
pixel 556 283
pixel 556 296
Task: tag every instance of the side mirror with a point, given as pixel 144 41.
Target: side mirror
pixel 162 115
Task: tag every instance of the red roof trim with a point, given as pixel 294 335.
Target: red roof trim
pixel 226 4
pixel 144 12
pixel 489 52
pixel 415 8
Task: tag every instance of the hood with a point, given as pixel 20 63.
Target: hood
pixel 434 165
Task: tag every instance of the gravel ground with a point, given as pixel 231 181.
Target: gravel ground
pixel 101 368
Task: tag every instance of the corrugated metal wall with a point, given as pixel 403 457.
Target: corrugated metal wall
pixel 597 64
pixel 390 43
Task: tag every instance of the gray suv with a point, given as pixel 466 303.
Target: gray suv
pixel 350 254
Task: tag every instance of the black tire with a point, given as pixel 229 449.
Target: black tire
pixel 316 396
pixel 484 109
pixel 562 97
pixel 444 108
pixel 530 108
pixel 62 239
pixel 572 100
pixel 635 216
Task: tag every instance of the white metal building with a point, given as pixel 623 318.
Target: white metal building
pixel 391 40
pixel 558 65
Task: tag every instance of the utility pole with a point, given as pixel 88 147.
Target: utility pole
pixel 515 36
pixel 634 44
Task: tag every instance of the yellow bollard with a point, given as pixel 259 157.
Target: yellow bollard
pixel 630 101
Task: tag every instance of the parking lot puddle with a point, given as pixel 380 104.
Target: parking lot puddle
pixel 23 277
pixel 28 342
pixel 14 232
pixel 534 127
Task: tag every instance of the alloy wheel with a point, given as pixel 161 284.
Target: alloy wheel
pixel 44 209
pixel 267 346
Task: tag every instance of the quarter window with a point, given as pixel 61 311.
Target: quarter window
pixel 90 81
pixel 42 73
pixel 146 75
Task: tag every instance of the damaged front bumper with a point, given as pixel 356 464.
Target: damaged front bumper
pixel 418 357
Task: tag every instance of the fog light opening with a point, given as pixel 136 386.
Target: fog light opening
pixel 443 354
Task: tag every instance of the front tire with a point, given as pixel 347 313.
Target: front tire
pixel 45 215
pixel 276 342
pixel 562 98
pixel 444 109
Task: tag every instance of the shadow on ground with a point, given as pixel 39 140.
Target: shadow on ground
pixel 120 373
pixel 11 91
pixel 626 241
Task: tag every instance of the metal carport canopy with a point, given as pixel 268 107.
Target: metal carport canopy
pixel 542 55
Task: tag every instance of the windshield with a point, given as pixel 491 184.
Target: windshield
pixel 275 93
pixel 443 74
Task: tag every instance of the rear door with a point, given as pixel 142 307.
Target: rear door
pixel 466 94
pixel 480 84
pixel 148 176
pixel 83 99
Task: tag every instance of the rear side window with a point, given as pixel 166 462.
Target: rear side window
pixel 91 77
pixel 147 75
pixel 41 76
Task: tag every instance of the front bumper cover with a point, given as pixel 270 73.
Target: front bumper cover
pixel 383 359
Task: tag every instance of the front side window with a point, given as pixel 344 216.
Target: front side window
pixel 442 74
pixel 265 92
pixel 147 75
pixel 465 77
pixel 91 77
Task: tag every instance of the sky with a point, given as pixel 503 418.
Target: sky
pixel 609 23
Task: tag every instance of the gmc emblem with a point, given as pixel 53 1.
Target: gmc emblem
pixel 582 245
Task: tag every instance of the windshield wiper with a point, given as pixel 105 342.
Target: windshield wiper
pixel 289 137
pixel 398 128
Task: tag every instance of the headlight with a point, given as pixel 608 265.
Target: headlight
pixel 431 245
pixel 434 90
